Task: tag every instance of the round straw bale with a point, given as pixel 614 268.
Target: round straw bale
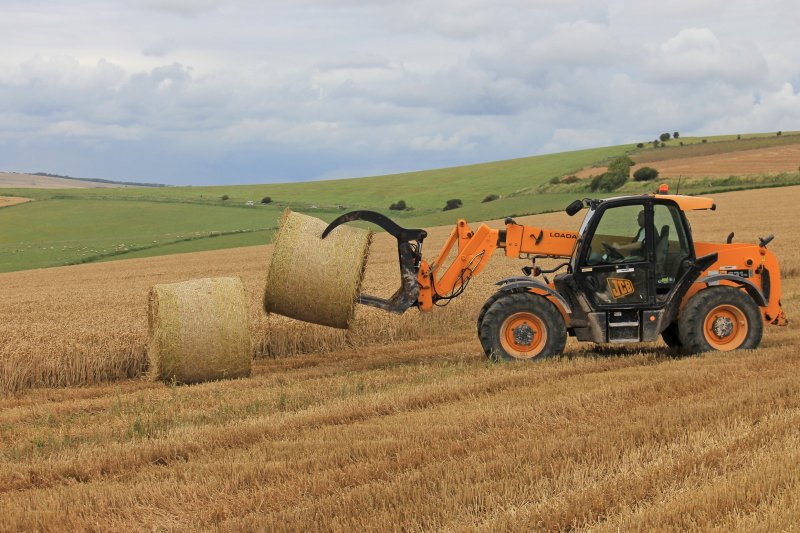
pixel 313 279
pixel 199 330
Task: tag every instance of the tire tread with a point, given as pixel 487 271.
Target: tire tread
pixel 509 303
pixel 692 319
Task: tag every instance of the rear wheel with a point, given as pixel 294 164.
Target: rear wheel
pixel 720 318
pixel 522 326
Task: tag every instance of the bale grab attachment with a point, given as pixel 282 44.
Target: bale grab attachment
pixel 409 250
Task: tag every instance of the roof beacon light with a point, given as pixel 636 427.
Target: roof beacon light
pixel 663 189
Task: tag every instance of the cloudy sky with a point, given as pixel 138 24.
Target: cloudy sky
pixel 246 91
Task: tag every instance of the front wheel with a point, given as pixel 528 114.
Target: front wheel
pixel 522 326
pixel 720 318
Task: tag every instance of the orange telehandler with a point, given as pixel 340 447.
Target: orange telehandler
pixel 630 273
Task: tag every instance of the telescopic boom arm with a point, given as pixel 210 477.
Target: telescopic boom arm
pixel 423 284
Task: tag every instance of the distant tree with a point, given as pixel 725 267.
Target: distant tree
pixel 490 198
pixel 607 182
pixel 639 145
pixel 780 133
pixel 664 137
pixel 739 137
pixel 704 141
pixel 225 197
pixel 621 164
pixel 645 174
pixel 676 134
pixel 399 206
pixel 455 203
pixel 266 200
pixel 618 172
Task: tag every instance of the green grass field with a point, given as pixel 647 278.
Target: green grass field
pixel 69 226
pixel 61 232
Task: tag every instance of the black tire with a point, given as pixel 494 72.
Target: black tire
pixel 526 321
pixel 737 318
pixel 492 299
pixel 672 337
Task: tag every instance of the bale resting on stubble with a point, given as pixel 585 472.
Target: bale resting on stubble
pixel 313 279
pixel 199 330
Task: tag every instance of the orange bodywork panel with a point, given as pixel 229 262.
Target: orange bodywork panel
pixel 689 203
pixel 472 251
pixel 742 258
pixel 524 240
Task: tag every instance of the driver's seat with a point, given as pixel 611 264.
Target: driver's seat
pixel 662 248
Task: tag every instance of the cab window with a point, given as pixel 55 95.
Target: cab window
pixel 671 244
pixel 620 237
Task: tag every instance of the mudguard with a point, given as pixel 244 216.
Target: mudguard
pixel 516 283
pixel 751 288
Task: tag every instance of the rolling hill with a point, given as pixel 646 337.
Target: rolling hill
pixel 76 225
pixel 44 181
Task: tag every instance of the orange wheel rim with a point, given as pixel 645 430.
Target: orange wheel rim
pixel 523 335
pixel 725 327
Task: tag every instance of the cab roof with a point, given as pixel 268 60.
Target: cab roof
pixel 688 203
pixel 685 203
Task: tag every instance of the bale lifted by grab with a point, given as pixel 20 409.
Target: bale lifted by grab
pixel 313 279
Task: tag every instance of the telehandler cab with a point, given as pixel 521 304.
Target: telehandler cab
pixel 631 272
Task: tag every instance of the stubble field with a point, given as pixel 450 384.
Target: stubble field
pixel 398 424
pixel 757 161
pixel 33 181
pixel 7 201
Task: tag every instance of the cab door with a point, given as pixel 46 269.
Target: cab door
pixel 615 264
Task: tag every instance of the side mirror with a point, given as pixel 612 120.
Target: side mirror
pixel 574 207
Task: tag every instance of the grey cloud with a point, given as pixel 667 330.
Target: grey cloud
pixel 189 8
pixel 697 55
pixel 472 20
pixel 355 60
pixel 774 110
pixel 159 48
pixel 320 88
pixel 459 90
pixel 57 88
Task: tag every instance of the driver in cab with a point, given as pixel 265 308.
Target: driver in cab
pixel 637 247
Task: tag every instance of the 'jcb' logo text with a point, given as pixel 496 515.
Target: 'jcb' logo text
pixel 620 288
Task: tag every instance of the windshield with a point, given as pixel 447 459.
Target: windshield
pixel 589 214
